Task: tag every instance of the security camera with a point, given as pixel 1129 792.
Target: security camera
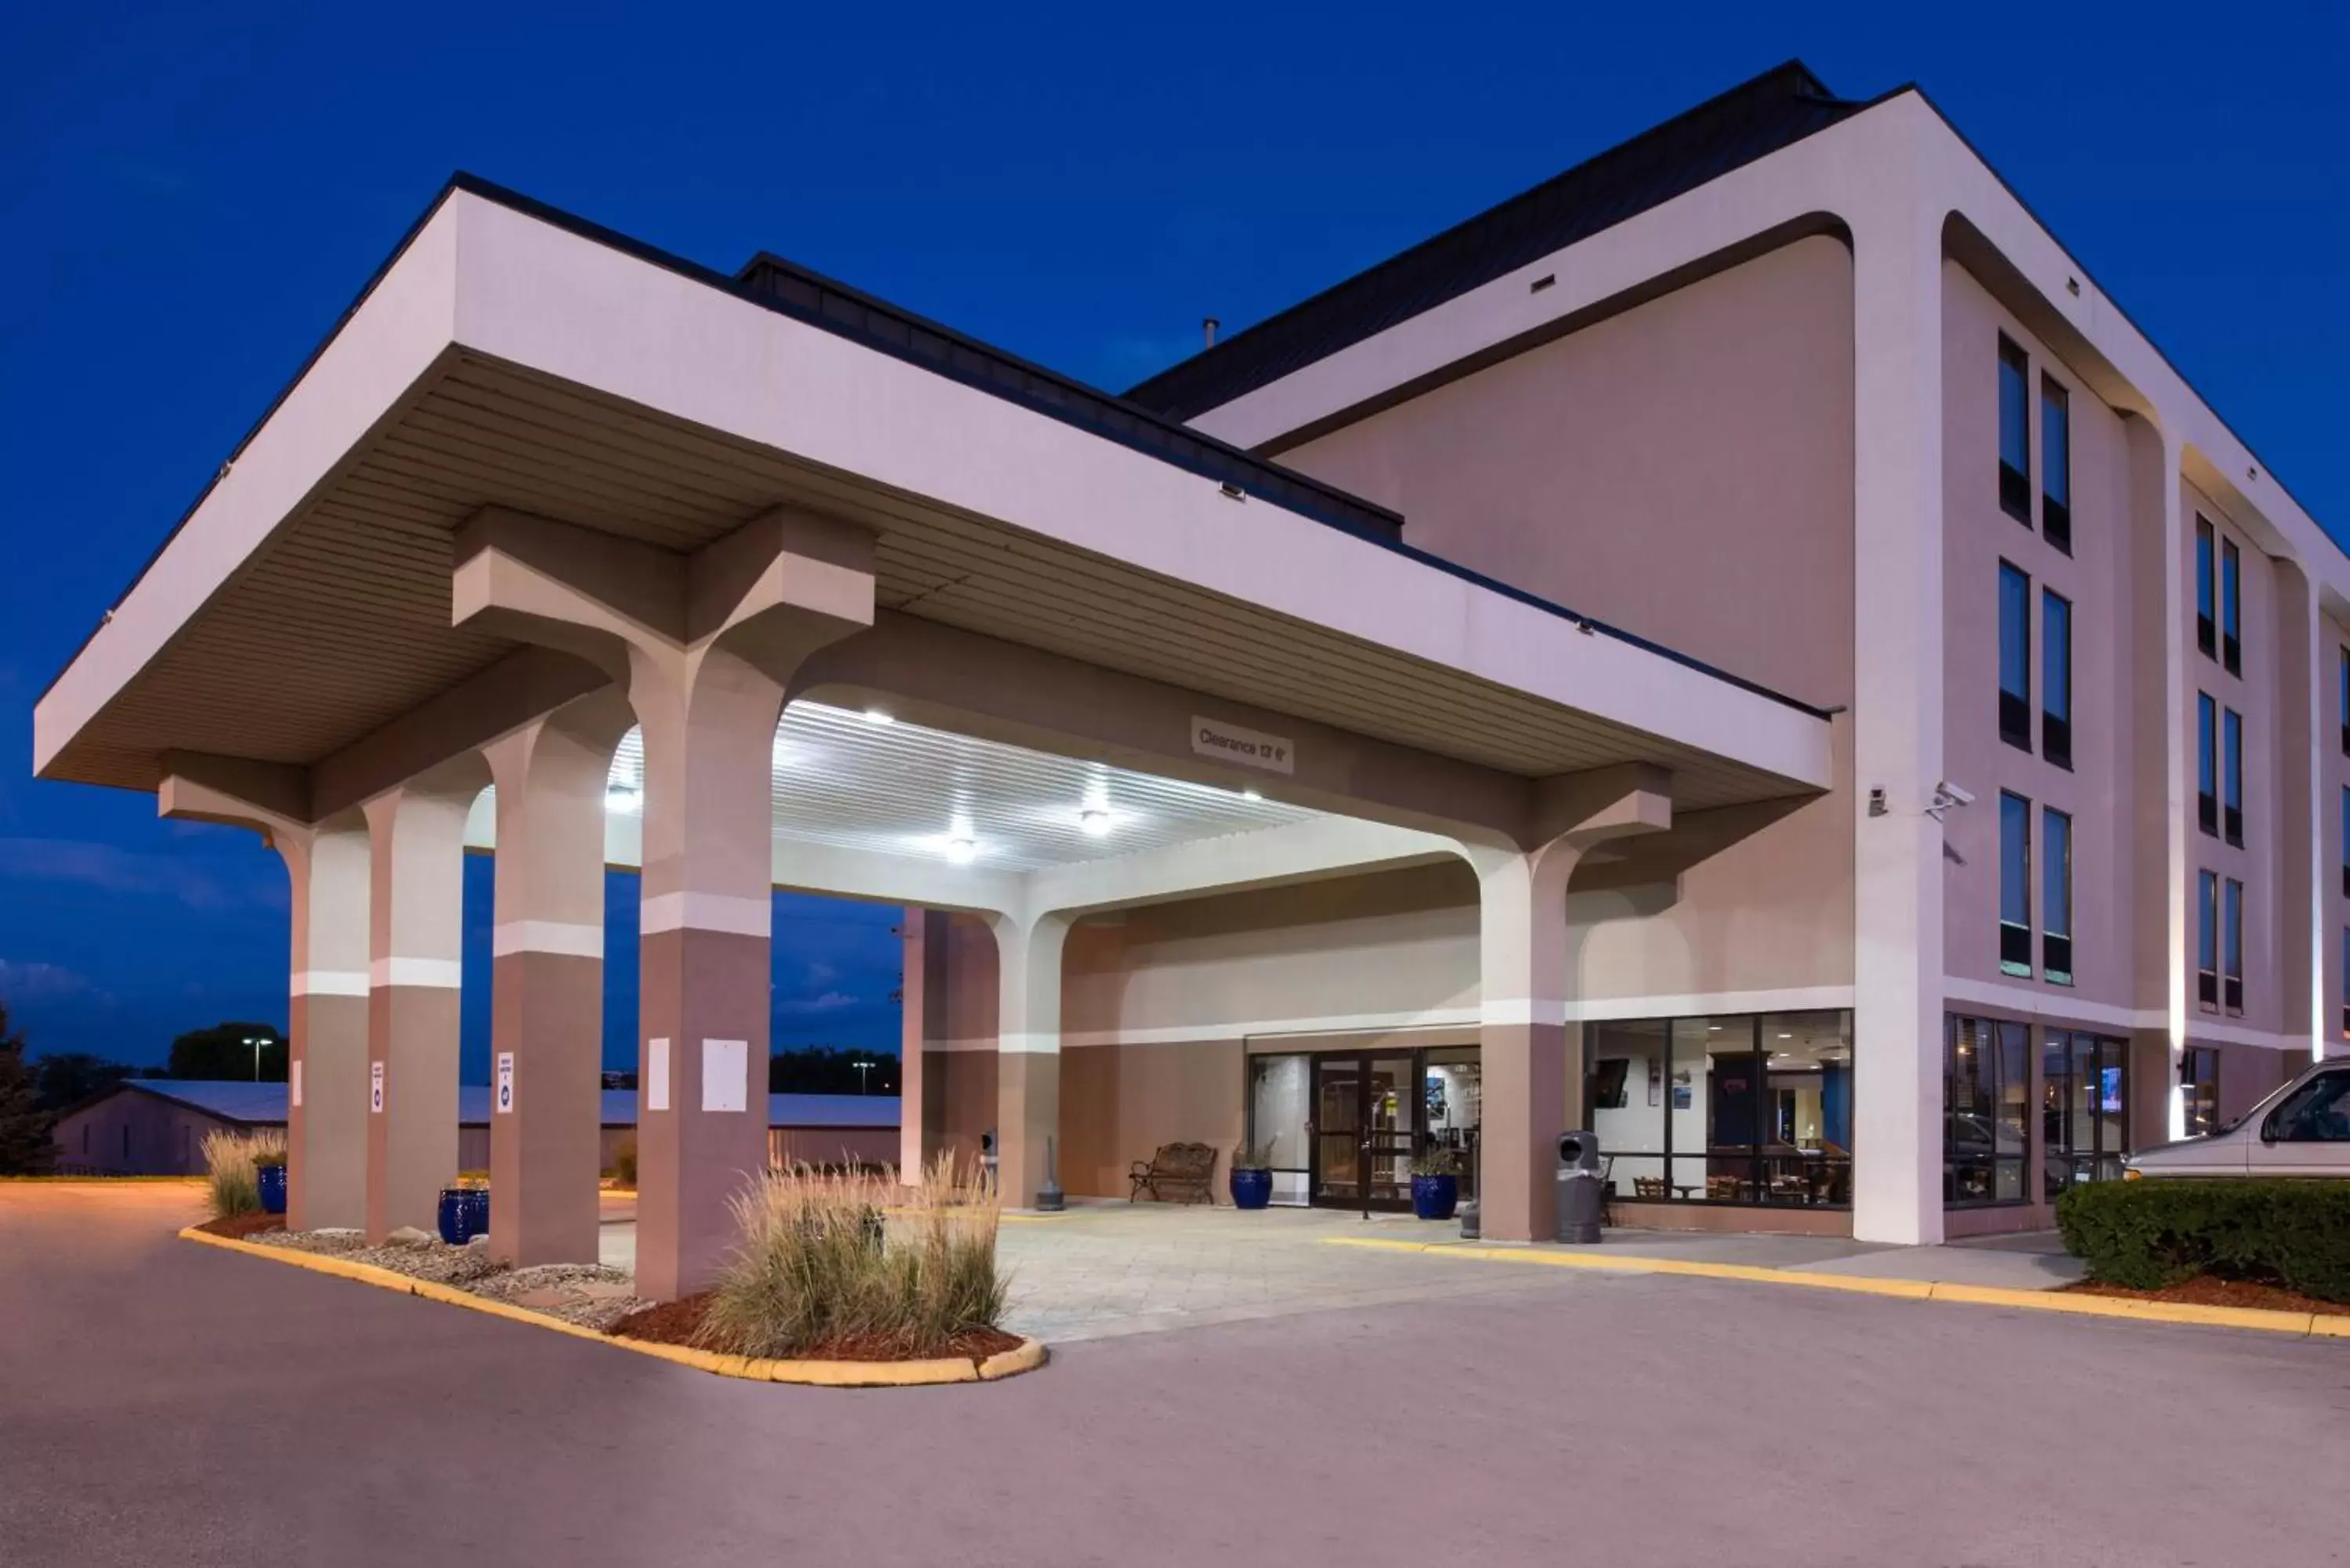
pixel 1953 794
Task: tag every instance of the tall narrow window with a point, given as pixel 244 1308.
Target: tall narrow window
pixel 2014 884
pixel 2345 982
pixel 2342 685
pixel 2056 897
pixel 2231 608
pixel 2199 1083
pixel 2207 940
pixel 2014 657
pixel 2014 432
pixel 2056 465
pixel 2207 636
pixel 2346 841
pixel 2231 753
pixel 2231 952
pixel 2207 762
pixel 2056 678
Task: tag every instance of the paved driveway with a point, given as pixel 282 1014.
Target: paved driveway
pixel 162 1403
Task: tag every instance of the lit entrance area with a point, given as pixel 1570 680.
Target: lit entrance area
pixel 1343 1128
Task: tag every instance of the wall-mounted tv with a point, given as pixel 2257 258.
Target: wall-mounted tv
pixel 1607 1075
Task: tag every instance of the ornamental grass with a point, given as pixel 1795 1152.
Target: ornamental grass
pixel 232 1168
pixel 838 1258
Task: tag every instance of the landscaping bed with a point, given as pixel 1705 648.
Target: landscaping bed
pixel 680 1322
pixel 2205 1290
pixel 244 1227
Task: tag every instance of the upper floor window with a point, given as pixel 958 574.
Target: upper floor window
pixel 2231 608
pixel 2014 884
pixel 2232 947
pixel 2056 678
pixel 2207 635
pixel 2207 940
pixel 2014 657
pixel 2014 432
pixel 2057 896
pixel 2342 686
pixel 2346 843
pixel 2056 465
pixel 2207 762
pixel 2232 727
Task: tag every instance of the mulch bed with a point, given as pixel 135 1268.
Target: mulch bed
pixel 2206 1291
pixel 238 1227
pixel 674 1323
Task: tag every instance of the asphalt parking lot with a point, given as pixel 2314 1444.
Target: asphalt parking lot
pixel 165 1403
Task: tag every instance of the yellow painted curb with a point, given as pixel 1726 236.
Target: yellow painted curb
pixel 2304 1325
pixel 1026 1357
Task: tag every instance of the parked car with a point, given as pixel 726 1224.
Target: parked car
pixel 2301 1129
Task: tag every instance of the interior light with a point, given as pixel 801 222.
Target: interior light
pixel 620 798
pixel 962 851
pixel 1095 822
pixel 876 716
pixel 1250 794
pixel 1786 1037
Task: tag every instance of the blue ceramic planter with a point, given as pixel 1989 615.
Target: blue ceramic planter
pixel 465 1214
pixel 273 1188
pixel 1252 1188
pixel 1435 1197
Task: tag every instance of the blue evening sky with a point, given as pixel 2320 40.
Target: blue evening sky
pixel 190 194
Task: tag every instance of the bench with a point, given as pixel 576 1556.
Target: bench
pixel 1177 1169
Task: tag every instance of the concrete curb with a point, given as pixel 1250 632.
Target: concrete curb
pixel 1028 1356
pixel 2300 1325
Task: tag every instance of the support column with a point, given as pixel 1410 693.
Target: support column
pixel 1524 986
pixel 1028 1050
pixel 704 646
pixel 416 941
pixel 911 1156
pixel 327 865
pixel 547 988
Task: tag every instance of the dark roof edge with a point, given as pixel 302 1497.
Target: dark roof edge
pixel 1278 484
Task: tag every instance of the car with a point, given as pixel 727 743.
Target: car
pixel 2303 1129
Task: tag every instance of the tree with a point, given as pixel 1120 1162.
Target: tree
pixel 828 1070
pixel 226 1051
pixel 25 1147
pixel 69 1079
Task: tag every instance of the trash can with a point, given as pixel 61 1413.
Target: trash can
pixel 1579 1194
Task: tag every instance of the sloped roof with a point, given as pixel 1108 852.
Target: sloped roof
pixel 1751 120
pixel 264 1104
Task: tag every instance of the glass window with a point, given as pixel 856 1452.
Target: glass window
pixel 1985 1129
pixel 2014 884
pixel 2207 762
pixel 1279 1107
pixel 2232 754
pixel 2199 1084
pixel 2056 678
pixel 2231 952
pixel 2206 635
pixel 2083 1109
pixel 2341 684
pixel 2345 982
pixel 2056 465
pixel 2346 841
pixel 2014 657
pixel 2056 897
pixel 1731 1109
pixel 2014 432
pixel 2231 608
pixel 2317 1112
pixel 2207 939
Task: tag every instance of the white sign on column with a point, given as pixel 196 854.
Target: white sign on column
pixel 375 1088
pixel 656 1074
pixel 725 1074
pixel 506 1082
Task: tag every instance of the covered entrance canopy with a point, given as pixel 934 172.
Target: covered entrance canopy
pixel 458 529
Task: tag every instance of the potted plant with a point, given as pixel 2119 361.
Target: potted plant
pixel 269 1176
pixel 465 1209
pixel 1251 1176
pixel 1436 1182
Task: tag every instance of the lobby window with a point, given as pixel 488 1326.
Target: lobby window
pixel 2056 465
pixel 2014 657
pixel 2207 762
pixel 2055 896
pixel 2014 884
pixel 2231 756
pixel 2056 678
pixel 2231 947
pixel 2014 432
pixel 2199 1085
pixel 2207 637
pixel 2207 940
pixel 1986 1130
pixel 2345 982
pixel 1744 1108
pixel 2083 1109
pixel 2231 608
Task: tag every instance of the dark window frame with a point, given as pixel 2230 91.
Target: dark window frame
pixel 1996 1038
pixel 2232 606
pixel 2063 1161
pixel 2015 940
pixel 2231 776
pixel 2207 940
pixel 2055 463
pixel 2341 684
pixel 2056 889
pixel 2207 570
pixel 2207 763
pixel 2056 678
pixel 2198 1079
pixel 2015 655
pixel 2232 947
pixel 2014 403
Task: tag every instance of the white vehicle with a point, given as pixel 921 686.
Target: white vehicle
pixel 2301 1129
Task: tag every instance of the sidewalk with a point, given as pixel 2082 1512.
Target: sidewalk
pixel 2036 1261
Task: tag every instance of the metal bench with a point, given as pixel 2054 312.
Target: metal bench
pixel 1177 1169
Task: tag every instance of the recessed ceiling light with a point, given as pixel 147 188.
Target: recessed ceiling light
pixel 876 716
pixel 1250 794
pixel 1095 821
pixel 962 851
pixel 1786 1037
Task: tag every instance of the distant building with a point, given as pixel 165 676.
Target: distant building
pixel 156 1127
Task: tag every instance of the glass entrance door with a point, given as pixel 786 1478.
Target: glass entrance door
pixel 1367 1118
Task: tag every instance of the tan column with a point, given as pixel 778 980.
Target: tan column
pixel 911 1156
pixel 1028 1050
pixel 416 928
pixel 547 1029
